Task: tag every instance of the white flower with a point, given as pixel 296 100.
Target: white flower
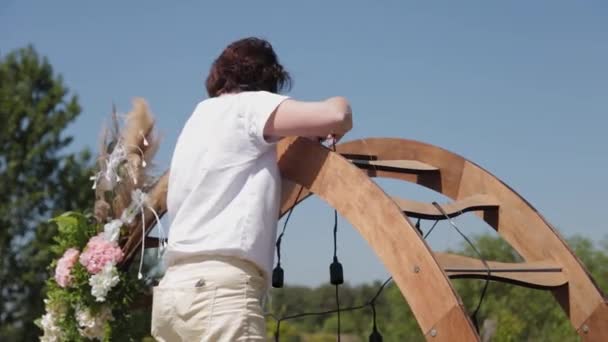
pixel 52 333
pixel 90 326
pixel 48 323
pixel 111 230
pixel 102 282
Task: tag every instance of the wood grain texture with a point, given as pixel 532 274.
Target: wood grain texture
pixel 595 329
pixel 517 221
pixel 380 221
pixel 449 328
pixel 429 212
pixel 539 274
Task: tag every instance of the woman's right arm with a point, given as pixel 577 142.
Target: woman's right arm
pixel 318 119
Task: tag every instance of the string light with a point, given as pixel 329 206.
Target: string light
pixel 329 312
pixel 375 336
pixel 278 275
pixel 337 276
pixel 336 272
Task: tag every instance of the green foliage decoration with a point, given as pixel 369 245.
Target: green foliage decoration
pixel 74 231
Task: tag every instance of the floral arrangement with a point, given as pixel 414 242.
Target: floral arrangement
pixel 93 286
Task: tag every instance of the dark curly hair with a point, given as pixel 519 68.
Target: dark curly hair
pixel 249 64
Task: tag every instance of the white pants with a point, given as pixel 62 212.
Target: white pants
pixel 209 298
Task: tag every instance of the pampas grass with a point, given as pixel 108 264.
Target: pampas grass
pixel 140 141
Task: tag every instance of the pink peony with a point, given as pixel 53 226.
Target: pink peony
pixel 64 267
pixel 99 252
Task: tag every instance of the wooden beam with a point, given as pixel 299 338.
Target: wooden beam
pixel 382 224
pixel 151 242
pixel 448 328
pixel 595 328
pixel 538 275
pixel 428 211
pixel 402 166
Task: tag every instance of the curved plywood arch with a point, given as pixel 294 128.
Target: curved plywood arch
pixel 518 222
pixel 379 220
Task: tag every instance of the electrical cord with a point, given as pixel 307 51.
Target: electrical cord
pixel 370 303
pixel 483 261
pixel 336 273
pixel 277 272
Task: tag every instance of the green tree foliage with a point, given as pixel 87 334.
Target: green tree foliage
pixel 508 312
pixel 38 179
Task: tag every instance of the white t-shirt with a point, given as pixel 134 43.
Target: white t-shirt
pixel 224 184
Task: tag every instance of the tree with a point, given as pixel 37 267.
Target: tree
pixel 37 180
pixel 508 312
pixel 521 313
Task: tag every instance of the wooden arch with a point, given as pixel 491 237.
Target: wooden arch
pixel 342 180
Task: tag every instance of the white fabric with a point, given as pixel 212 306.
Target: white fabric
pixel 224 185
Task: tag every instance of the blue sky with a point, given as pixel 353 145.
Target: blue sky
pixel 519 87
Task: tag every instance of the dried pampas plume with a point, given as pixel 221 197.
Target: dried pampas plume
pixel 101 210
pixel 124 159
pixel 139 138
pixel 123 179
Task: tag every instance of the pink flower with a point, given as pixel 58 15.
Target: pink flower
pixel 64 267
pixel 99 252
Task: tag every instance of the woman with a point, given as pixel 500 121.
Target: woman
pixel 224 193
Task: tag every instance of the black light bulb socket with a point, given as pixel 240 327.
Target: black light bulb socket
pixel 278 277
pixel 375 336
pixel 336 274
